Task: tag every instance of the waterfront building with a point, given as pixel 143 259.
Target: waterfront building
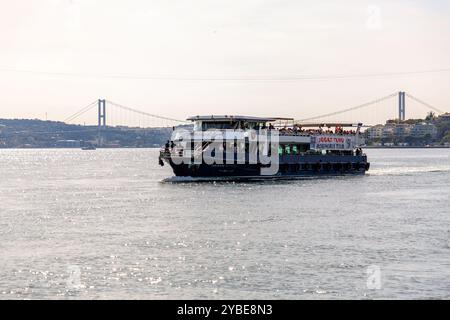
pixel 375 132
pixel 423 129
pixel 388 132
pixel 402 130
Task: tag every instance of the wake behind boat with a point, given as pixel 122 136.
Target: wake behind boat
pixel 252 148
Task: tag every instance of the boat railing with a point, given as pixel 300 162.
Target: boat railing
pixel 287 132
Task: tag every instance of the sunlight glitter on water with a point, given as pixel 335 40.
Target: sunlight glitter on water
pixel 101 225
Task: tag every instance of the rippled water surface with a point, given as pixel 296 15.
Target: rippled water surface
pixel 101 224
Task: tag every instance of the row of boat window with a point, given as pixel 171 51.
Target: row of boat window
pixel 291 149
pixel 322 167
pixel 286 149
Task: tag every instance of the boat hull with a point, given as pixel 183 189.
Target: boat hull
pixel 289 167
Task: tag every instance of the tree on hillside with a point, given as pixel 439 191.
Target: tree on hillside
pixel 446 138
pixel 430 116
pixel 443 128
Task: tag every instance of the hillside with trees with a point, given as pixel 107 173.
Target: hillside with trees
pixel 24 133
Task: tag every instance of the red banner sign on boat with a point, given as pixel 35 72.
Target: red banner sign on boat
pixel 333 142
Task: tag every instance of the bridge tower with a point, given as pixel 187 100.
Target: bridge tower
pixel 101 113
pixel 401 106
pixel 101 120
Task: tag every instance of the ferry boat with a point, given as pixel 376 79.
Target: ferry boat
pixel 298 149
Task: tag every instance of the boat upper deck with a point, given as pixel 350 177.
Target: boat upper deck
pixel 284 126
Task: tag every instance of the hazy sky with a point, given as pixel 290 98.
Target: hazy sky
pixel 120 50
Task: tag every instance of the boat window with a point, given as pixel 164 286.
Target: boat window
pixel 219 125
pixel 197 126
pixel 304 147
pixel 246 125
pixel 294 149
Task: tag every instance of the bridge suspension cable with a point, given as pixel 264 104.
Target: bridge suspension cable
pixel 350 109
pixel 81 111
pixel 130 111
pixel 144 113
pixel 425 104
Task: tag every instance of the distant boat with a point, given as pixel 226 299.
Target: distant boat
pixel 89 147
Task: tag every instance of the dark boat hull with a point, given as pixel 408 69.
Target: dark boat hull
pixel 290 166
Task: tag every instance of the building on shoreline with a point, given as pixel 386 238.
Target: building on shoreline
pixel 404 134
pixel 421 130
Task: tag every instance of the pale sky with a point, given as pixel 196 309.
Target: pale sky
pixel 182 58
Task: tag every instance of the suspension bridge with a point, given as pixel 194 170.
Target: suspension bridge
pixel 390 107
pixel 107 123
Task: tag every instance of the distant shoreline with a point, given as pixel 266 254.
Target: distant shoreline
pixel 406 147
pixel 100 148
pixel 68 148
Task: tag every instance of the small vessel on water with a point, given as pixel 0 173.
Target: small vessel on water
pixel 88 146
pixel 243 147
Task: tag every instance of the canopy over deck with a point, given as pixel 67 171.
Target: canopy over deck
pixel 219 118
pixel 329 124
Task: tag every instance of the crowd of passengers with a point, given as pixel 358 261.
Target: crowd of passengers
pixel 299 130
pixel 295 129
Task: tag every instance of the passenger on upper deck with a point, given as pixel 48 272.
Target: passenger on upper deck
pixel 167 145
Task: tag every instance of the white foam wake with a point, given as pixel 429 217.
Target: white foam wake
pixel 397 171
